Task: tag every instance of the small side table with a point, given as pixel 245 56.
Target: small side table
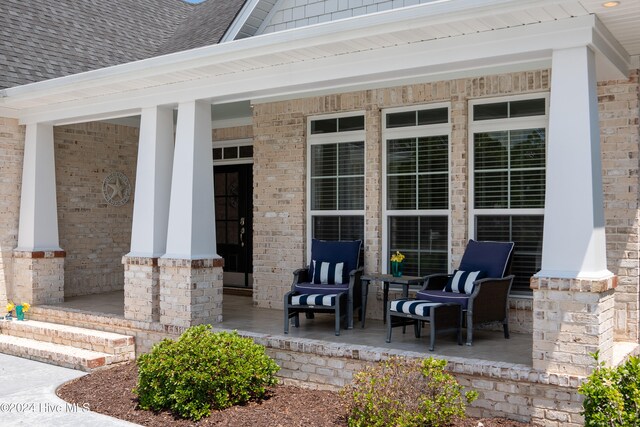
pixel 386 279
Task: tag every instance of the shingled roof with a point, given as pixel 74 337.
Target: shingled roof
pixel 43 39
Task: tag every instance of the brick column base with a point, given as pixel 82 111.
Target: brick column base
pixel 141 289
pixel 190 291
pixel 572 318
pixel 38 277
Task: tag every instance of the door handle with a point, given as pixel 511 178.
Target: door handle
pixel 242 232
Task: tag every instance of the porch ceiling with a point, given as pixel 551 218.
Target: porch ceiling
pixel 424 42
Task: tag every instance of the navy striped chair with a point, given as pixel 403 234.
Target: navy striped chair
pixel 480 285
pixel 330 284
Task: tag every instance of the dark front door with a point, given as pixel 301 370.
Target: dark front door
pixel 234 225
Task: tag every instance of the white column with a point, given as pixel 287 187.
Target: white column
pixel 38 228
pixel 153 183
pixel 191 231
pixel 574 243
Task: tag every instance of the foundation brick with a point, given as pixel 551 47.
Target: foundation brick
pixel 141 289
pixel 190 291
pixel 38 277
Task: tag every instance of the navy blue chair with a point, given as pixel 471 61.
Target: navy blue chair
pixel 330 284
pixel 480 285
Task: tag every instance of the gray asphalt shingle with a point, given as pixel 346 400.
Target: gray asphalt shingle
pixel 43 39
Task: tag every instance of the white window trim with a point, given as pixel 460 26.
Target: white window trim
pixel 332 138
pixel 497 125
pixel 412 132
pixel 232 143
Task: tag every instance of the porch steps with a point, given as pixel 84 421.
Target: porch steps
pixel 65 345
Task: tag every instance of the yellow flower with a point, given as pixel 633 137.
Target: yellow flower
pixel 10 307
pixel 397 257
pixel 25 307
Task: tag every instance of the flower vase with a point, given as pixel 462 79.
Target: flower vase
pixel 19 312
pixel 396 269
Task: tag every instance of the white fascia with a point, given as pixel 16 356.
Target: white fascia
pixel 528 47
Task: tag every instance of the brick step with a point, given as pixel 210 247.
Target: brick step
pixel 55 354
pixel 122 347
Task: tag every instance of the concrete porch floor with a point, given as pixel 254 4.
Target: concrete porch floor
pixel 239 314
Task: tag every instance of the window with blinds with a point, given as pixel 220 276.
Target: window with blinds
pixel 508 140
pixel 416 211
pixel 336 177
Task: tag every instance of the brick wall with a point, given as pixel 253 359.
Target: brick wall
pixel 11 154
pixel 280 180
pixel 515 391
pixel 94 234
pixel 280 173
pixel 619 125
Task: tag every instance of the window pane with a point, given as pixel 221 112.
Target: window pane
pixel 230 152
pixel 433 154
pixel 490 111
pixel 346 124
pixel 246 151
pixel 423 240
pixel 323 193
pixel 401 192
pixel 491 150
pixel 490 190
pixel 527 107
pixel 351 158
pixel 323 160
pixel 217 153
pixel 324 126
pixel 434 245
pixel 403 233
pixel 397 120
pixel 338 227
pixel 351 193
pixel 351 228
pixel 526 233
pixel 433 191
pixel 433 234
pixel 433 116
pixel 527 148
pixel 401 156
pixel 527 189
pixel 326 227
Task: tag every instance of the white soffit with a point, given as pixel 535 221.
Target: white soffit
pixel 437 39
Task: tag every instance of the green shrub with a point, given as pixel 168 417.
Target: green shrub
pixel 398 392
pixel 612 395
pixel 202 371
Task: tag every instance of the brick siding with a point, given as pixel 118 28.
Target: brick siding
pixel 11 157
pixel 94 234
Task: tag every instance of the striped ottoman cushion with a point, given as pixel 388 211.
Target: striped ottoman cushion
pixel 314 299
pixel 419 308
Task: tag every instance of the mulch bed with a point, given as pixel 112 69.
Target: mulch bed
pixel 109 392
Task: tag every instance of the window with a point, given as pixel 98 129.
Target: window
pixel 234 151
pixel 336 177
pixel 508 146
pixel 416 187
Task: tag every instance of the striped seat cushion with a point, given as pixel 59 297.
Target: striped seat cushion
pixel 406 306
pixel 314 299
